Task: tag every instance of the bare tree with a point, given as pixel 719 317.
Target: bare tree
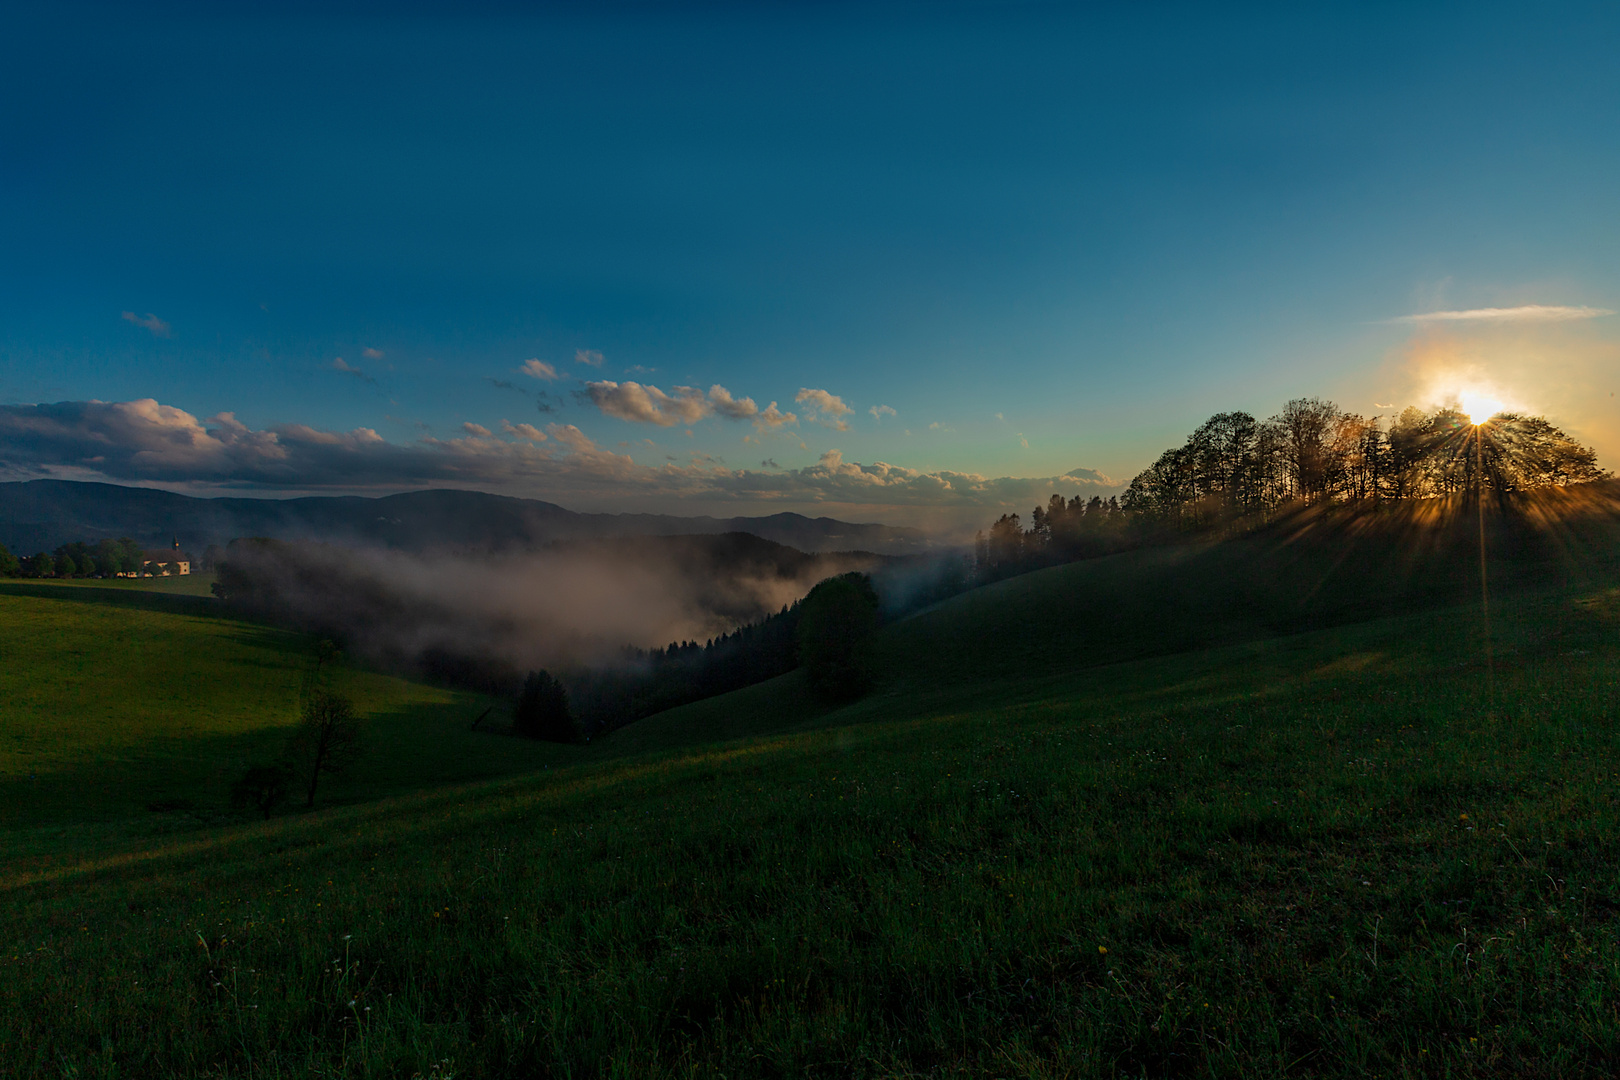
pixel 327 740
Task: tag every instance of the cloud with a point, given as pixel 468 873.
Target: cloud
pixel 372 354
pixel 637 369
pixel 477 430
pixel 824 408
pixel 769 463
pixel 502 384
pixel 151 322
pixel 144 441
pixel 647 404
pixel 880 411
pixel 1527 313
pixel 589 357
pixel 339 365
pixel 523 431
pixel 536 368
pixel 732 408
pixel 771 417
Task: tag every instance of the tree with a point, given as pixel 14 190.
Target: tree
pixel 542 712
pixel 1006 541
pixel 262 787
pixel 328 739
pixel 65 566
pixel 836 623
pixel 9 566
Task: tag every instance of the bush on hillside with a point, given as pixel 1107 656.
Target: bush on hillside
pixel 836 623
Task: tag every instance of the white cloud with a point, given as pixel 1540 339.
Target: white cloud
pixel 647 404
pixel 150 322
pixel 1526 313
pixel 729 407
pixel 478 431
pixel 824 408
pixel 880 411
pixel 771 417
pixel 372 354
pixel 589 357
pixel 536 368
pixel 523 431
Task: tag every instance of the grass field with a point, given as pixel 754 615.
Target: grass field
pixel 1101 820
pixel 129 711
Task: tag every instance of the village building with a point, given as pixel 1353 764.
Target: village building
pixel 154 561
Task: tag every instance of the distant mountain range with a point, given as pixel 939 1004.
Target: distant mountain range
pixel 37 515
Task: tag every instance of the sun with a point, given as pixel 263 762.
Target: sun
pixel 1478 407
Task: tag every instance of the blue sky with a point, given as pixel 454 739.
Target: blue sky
pixel 1048 237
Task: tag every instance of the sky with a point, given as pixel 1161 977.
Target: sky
pixel 914 263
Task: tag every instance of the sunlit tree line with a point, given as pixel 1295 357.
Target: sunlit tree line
pixel 1235 469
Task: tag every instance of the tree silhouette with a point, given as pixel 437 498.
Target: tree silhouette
pixel 836 622
pixel 542 712
pixel 327 741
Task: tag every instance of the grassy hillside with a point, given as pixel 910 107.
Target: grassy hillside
pixel 129 712
pixel 1049 846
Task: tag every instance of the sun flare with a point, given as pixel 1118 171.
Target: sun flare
pixel 1478 407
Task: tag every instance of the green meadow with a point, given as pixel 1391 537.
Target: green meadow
pixel 1268 807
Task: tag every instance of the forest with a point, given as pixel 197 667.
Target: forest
pixel 1235 472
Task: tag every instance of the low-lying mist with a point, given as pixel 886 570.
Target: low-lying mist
pixel 487 618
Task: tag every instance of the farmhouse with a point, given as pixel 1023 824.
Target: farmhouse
pixel 154 561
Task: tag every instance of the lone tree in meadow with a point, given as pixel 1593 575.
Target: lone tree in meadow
pixel 836 623
pixel 542 710
pixel 328 739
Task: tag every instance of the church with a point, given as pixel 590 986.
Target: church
pixel 154 561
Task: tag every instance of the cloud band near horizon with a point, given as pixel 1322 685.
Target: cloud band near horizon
pixel 145 441
pixel 1525 313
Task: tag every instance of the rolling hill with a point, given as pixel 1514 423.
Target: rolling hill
pixel 1268 806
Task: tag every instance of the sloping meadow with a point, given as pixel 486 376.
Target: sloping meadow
pixel 1349 851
